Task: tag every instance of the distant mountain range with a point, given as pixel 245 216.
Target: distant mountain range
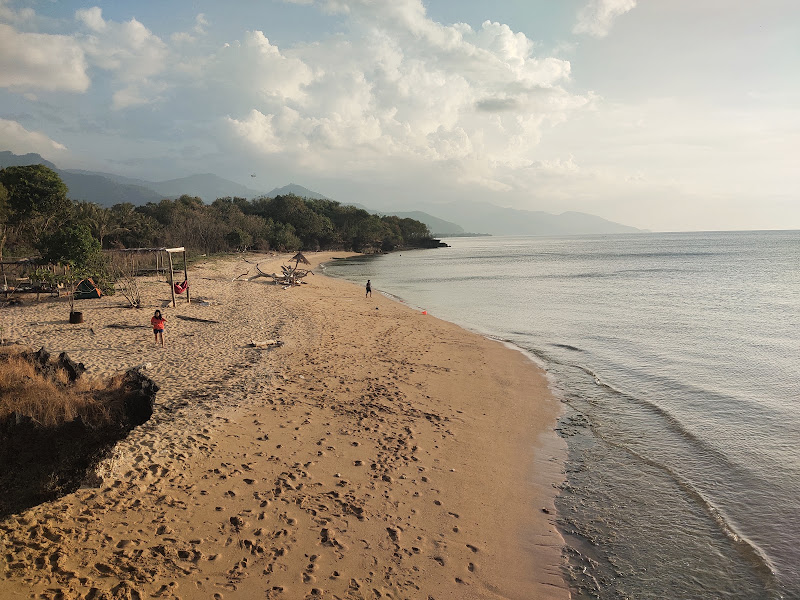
pixel 482 217
pixel 454 218
pixel 107 189
pixel 435 224
pixel 297 190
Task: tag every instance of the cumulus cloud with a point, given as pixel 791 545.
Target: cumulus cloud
pixel 597 17
pixel 399 86
pixel 200 24
pixel 92 18
pixel 19 140
pixel 129 51
pixel 38 61
pixel 9 15
pixel 199 29
pixel 393 87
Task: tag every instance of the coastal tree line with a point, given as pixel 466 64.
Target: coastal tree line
pixel 37 216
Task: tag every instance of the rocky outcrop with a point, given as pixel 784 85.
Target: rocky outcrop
pixel 43 463
pixel 41 360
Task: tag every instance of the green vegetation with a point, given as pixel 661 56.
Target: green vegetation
pixel 36 214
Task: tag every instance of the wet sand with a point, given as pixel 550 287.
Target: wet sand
pixel 378 453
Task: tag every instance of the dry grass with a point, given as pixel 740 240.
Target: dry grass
pixel 52 401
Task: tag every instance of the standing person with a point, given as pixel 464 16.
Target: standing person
pixel 158 322
pixel 369 290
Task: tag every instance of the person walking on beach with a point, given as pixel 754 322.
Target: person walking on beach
pixel 158 322
pixel 369 290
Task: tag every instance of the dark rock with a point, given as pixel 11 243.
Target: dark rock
pixel 140 397
pixel 74 370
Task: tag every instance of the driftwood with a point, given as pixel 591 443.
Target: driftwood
pixel 125 326
pixel 266 344
pixel 290 274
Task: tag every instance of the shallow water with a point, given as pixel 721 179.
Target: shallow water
pixel 676 356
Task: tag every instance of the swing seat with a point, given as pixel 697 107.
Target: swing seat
pixel 181 287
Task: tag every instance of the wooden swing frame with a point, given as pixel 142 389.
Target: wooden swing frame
pixel 169 252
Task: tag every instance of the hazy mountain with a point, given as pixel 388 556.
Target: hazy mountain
pixel 115 177
pixel 108 189
pixel 297 190
pixel 435 224
pixel 104 191
pixel 99 188
pixel 9 159
pixel 208 186
pixel 482 217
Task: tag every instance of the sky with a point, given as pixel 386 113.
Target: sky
pixel 668 115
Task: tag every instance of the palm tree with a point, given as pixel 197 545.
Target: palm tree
pixel 99 219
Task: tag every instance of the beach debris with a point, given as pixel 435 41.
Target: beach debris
pixel 291 274
pixel 266 344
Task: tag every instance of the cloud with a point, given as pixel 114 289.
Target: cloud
pixel 200 24
pixel 199 29
pixel 496 104
pixel 130 52
pixel 9 15
pixel 129 49
pixel 393 86
pixel 597 17
pixel 19 140
pixel 38 61
pixel 92 18
pixel 397 86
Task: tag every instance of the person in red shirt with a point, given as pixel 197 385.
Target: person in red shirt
pixel 158 322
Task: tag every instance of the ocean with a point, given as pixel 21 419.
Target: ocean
pixel 677 359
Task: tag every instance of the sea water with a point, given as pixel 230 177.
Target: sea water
pixel 677 359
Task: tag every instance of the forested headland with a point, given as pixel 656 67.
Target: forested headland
pixel 38 218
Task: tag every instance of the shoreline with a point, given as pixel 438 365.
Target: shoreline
pixel 549 473
pixel 360 457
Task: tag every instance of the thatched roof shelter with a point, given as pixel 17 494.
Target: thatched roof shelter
pixel 299 258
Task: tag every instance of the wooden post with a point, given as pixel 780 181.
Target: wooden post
pixel 186 277
pixel 171 280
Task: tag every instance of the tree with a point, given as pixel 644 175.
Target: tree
pixel 36 197
pixel 369 234
pixel 284 238
pixel 413 230
pixel 71 245
pixel 131 227
pixel 99 219
pixel 5 212
pixel 239 239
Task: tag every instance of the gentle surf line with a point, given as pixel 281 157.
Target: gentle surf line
pixel 749 549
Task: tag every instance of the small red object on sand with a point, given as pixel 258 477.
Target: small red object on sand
pixel 424 312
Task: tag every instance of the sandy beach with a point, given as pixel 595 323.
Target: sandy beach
pixel 377 453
